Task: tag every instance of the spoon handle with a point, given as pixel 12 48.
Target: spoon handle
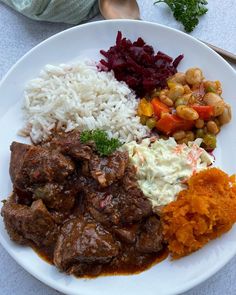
pixel 224 53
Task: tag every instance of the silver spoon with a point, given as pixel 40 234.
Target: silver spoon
pixel 129 9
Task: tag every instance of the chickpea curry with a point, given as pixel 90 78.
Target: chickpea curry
pixel 189 107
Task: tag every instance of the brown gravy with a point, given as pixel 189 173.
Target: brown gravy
pixel 109 270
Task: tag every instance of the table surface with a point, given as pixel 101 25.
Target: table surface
pixel 19 34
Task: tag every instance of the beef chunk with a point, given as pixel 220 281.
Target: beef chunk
pixel 120 203
pixel 59 196
pixel 116 206
pixel 150 239
pixel 29 224
pixel 33 164
pixel 60 216
pixel 106 170
pixel 127 234
pixel 18 154
pixel 80 152
pixel 85 269
pixel 55 196
pixel 69 144
pixel 84 212
pixel 83 241
pixel 129 181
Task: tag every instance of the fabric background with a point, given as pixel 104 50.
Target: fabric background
pixel 66 11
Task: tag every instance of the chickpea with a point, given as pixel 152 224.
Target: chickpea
pixel 216 120
pixel 165 99
pixel 179 135
pixel 194 76
pixel 210 86
pixel 190 135
pixel 213 86
pixel 192 99
pixel 225 117
pixel 186 113
pixel 216 101
pixel 219 88
pixel 176 91
pixel 199 123
pixel 187 89
pixel 183 140
pixel 180 101
pixel 168 101
pixel 178 78
pixel 212 127
pixel 155 93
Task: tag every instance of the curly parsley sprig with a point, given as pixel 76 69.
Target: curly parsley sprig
pixel 186 11
pixel 104 145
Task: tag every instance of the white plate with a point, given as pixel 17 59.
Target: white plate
pixel 167 277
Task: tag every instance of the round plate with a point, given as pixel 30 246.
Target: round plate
pixel 85 41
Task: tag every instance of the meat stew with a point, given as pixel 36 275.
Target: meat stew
pixel 82 212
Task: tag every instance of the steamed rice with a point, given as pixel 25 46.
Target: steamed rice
pixel 78 96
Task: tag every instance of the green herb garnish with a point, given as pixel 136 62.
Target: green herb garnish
pixel 186 11
pixel 104 145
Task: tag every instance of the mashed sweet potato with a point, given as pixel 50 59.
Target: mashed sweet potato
pixel 204 211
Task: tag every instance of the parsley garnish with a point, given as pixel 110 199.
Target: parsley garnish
pixel 104 145
pixel 186 11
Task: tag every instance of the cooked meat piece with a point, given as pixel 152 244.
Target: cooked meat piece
pixel 85 213
pixel 127 234
pixel 83 241
pixel 82 269
pixel 29 224
pixel 23 197
pixel 106 170
pixel 150 239
pixel 33 164
pixel 55 196
pixel 18 154
pixel 60 197
pixel 69 144
pixel 117 206
pixel 60 217
pixel 86 184
pixel 129 181
pixel 80 152
pixel 85 171
pixel 130 260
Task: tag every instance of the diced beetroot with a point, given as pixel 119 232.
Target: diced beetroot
pixel 137 64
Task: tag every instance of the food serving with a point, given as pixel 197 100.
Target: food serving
pixel 115 178
pixel 188 107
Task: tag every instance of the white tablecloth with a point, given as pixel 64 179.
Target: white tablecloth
pixel 19 34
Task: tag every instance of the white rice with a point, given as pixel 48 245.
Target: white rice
pixel 66 97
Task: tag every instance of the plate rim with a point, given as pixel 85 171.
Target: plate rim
pixel 188 285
